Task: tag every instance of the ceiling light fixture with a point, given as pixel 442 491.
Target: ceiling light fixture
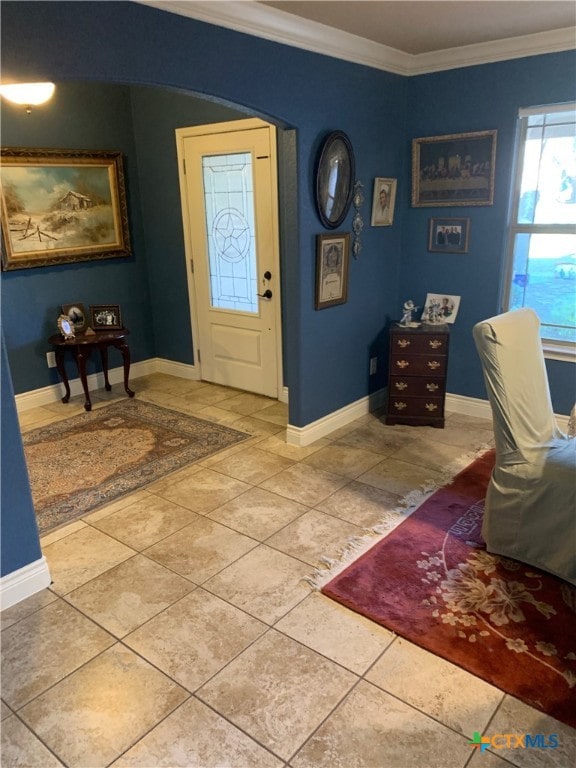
pixel 28 94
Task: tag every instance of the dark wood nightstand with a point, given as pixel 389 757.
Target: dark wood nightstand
pixel 417 375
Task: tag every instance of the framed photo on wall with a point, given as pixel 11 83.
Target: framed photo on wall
pixel 456 169
pixel 383 202
pixel 332 257
pixel 449 235
pixel 60 206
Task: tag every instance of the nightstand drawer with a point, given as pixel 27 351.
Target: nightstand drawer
pixel 416 386
pixel 432 407
pixel 418 365
pixel 419 343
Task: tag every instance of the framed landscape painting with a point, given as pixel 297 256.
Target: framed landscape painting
pixel 60 206
pixel 457 169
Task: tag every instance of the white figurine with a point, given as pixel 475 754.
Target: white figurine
pixel 409 307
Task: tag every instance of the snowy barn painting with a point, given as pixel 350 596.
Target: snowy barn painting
pixel 60 207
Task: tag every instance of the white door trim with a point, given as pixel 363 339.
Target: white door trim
pixel 210 129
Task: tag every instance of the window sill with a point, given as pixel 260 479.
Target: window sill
pixel 555 351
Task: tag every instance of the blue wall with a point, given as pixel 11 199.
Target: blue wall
pixel 156 113
pixel 474 99
pixel 79 118
pixel 327 352
pixel 19 540
pixel 306 94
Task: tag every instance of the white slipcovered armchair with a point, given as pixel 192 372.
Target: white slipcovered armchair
pixel 530 507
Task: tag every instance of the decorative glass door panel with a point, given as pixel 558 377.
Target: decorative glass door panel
pixel 230 229
pixel 231 220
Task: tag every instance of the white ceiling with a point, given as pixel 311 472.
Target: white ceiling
pixel 427 25
pixel 403 36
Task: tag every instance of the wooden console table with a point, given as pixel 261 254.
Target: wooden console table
pixel 81 347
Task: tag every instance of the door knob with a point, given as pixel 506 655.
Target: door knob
pixel 267 275
pixel 266 295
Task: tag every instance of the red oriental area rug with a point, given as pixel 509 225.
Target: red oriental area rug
pixel 431 581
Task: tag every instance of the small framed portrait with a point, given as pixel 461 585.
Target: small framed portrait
pixel 383 202
pixel 105 317
pixel 440 308
pixel 449 235
pixel 77 316
pixel 332 256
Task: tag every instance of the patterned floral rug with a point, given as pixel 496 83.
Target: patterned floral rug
pixel 81 463
pixel 431 581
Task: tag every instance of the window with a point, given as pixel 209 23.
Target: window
pixel 542 242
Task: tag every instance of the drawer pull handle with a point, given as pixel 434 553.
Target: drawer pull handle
pixel 432 387
pixel 435 343
pixel 399 405
pixel 433 364
pixel 431 407
pixel 401 385
pixel 403 343
pixel 402 363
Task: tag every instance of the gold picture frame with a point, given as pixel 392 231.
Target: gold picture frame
pixel 61 206
pixel 383 202
pixel 456 169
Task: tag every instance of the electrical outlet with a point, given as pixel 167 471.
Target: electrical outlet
pixel 51 359
pixel 373 365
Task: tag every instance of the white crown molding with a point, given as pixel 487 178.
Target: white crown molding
pixel 498 50
pixel 272 24
pixel 280 27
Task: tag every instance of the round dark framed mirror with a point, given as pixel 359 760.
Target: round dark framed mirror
pixel 335 179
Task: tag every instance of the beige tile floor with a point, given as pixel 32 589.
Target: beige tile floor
pixel 181 628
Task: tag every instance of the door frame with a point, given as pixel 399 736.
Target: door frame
pixel 211 129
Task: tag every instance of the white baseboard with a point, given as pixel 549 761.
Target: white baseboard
pixel 172 368
pixel 303 436
pixel 55 392
pixel 469 406
pixel 24 582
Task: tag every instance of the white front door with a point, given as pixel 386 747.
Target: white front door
pixel 228 178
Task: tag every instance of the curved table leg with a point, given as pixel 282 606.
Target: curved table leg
pixel 104 356
pixel 82 354
pixel 124 349
pixel 62 373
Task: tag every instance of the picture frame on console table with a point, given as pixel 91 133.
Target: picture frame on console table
pixel 106 317
pixel 455 169
pixel 60 206
pixel 76 314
